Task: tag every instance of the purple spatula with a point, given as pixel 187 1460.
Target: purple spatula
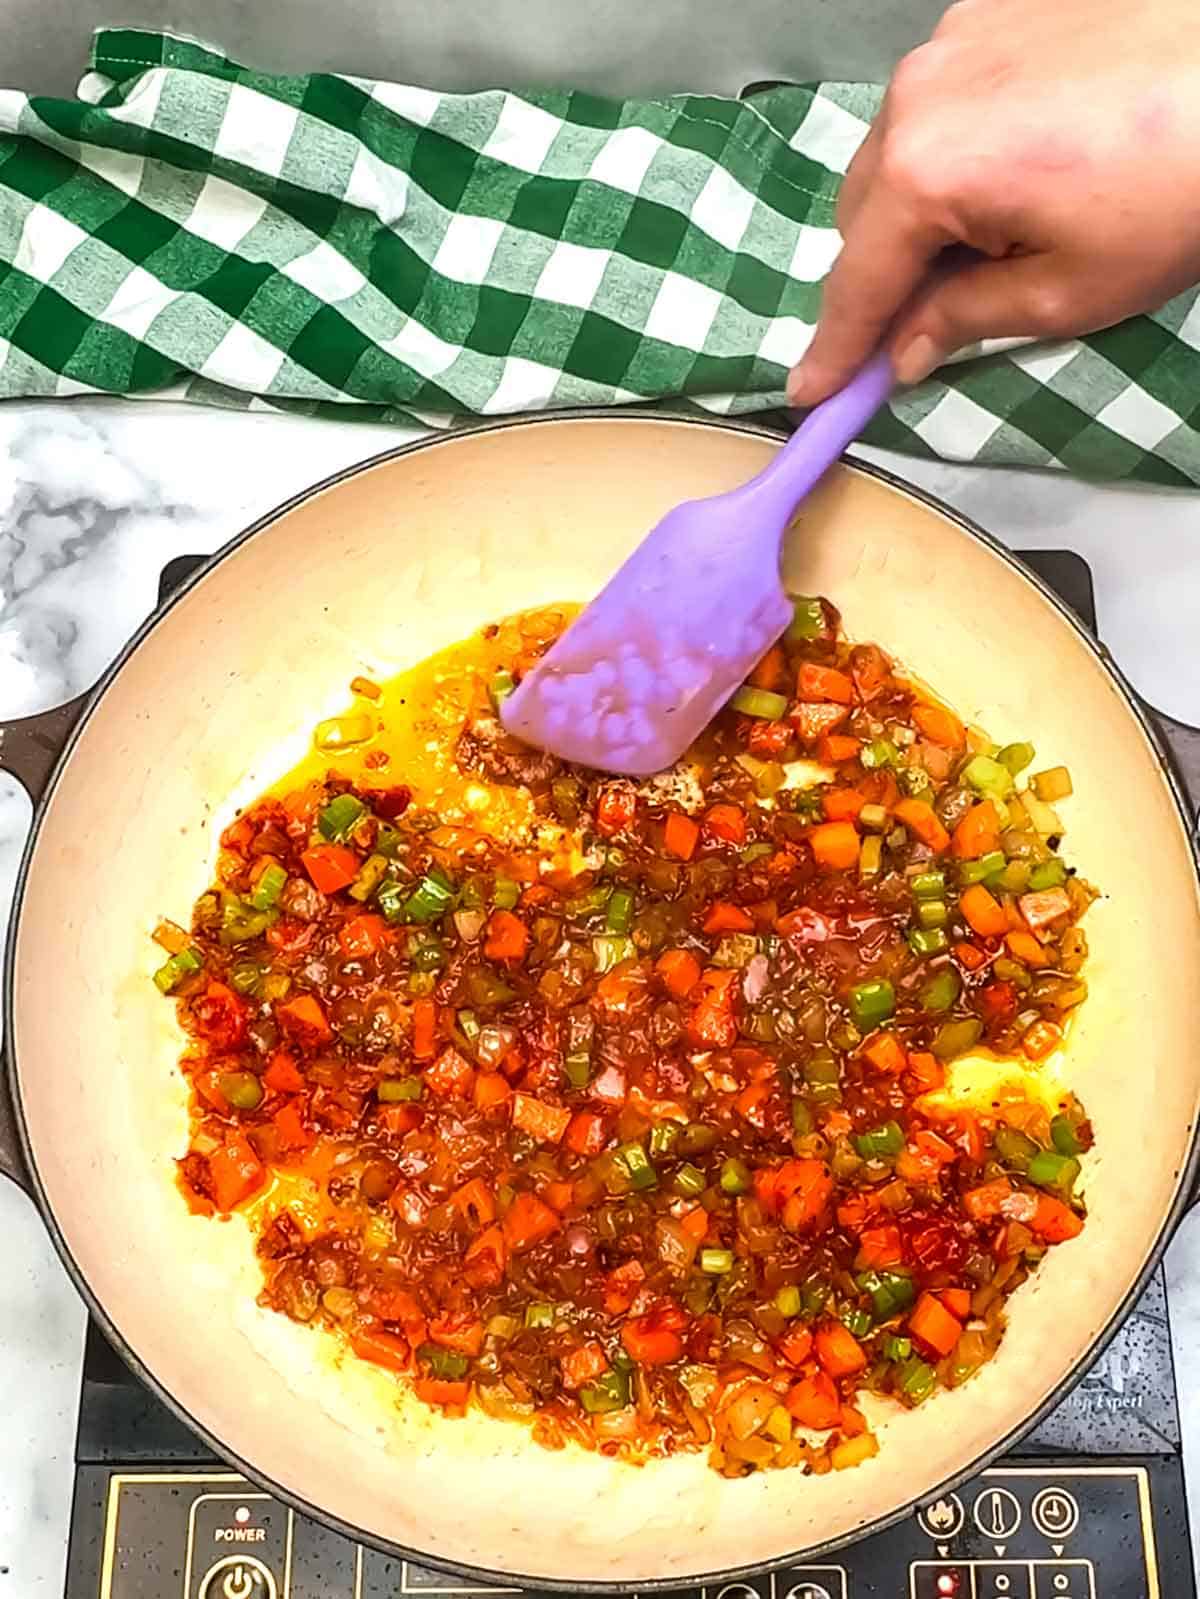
pixel 656 654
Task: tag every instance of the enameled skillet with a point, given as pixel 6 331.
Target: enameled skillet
pixel 216 696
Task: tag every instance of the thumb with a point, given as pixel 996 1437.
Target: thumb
pixel 1019 296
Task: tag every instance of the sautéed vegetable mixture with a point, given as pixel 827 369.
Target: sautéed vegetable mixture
pixel 621 1108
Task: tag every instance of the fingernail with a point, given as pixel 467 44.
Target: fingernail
pixel 917 360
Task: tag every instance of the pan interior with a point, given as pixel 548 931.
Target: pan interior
pixel 368 576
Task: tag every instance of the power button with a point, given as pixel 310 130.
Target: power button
pixel 238 1577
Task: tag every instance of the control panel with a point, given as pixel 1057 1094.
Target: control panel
pixel 1043 1530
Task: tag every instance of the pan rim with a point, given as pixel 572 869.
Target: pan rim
pixel 489 1576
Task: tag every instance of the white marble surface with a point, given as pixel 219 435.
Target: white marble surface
pixel 96 496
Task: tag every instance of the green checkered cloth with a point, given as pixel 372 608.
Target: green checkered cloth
pixel 190 228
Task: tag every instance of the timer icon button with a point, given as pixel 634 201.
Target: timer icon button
pixel 1055 1514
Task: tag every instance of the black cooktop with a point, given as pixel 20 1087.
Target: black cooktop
pixel 1091 1507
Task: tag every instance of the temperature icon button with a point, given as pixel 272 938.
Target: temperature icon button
pixel 997 1514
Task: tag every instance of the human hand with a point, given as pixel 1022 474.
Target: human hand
pixel 1059 139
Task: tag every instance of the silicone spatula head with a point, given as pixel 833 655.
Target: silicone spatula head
pixel 640 673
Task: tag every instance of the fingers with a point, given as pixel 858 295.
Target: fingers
pixel 859 179
pixel 885 256
pixel 1029 295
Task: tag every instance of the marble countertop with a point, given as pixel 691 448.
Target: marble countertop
pixel 95 498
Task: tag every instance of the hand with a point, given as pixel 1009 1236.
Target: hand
pixel 1058 138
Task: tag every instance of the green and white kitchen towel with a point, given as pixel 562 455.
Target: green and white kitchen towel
pixel 191 228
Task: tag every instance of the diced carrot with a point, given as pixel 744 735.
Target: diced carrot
pixel 304 1018
pixel 655 1339
pixel 399 1119
pixel 491 1092
pixel 839 1351
pixel 751 1104
pixel 939 725
pixel 836 845
pixel 680 836
pixel 587 1133
pixel 711 1025
pixel 986 1202
pixel 529 1221
pixel 616 807
pixel 1045 906
pixel 978 833
pixel 925 1071
pixel 727 822
pixel 331 866
pixel 933 1324
pixel 923 823
pixel 837 748
pixel 485 1259
pixel 236 1172
pixel 437 1391
pixel 998 1002
pixel 618 988
pixel 813 721
pixel 679 970
pixel 768 672
pixel 475 1201
pixel 957 1301
pixel 854 1424
pixel 621 1286
pixel 796 1345
pixel 451 1075
pixel 1054 1221
pixel 458 1330
pixel 1025 947
pixel 382 1349
pixel 855 1211
pixel 768 740
pixel 870 668
pixel 282 1076
pixel 545 1123
pixel 582 1364
pixel 424 1028
pixel 815 682
pixel 399 1306
pixel 922 1159
pixel 695 1222
pixel 798 1190
pixel 559 1196
pixel 361 936
pixel 879 1247
pixel 969 956
pixel 983 912
pixel 842 804
pixel 289 1124
pixel 507 937
pixel 208 1088
pixel 814 1403
pixel 886 1053
pixel 723 917
pixel 1040 1040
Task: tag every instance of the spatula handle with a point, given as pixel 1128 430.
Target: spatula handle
pixel 820 439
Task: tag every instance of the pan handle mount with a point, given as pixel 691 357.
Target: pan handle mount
pixel 1184 744
pixel 31 745
pixel 29 750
